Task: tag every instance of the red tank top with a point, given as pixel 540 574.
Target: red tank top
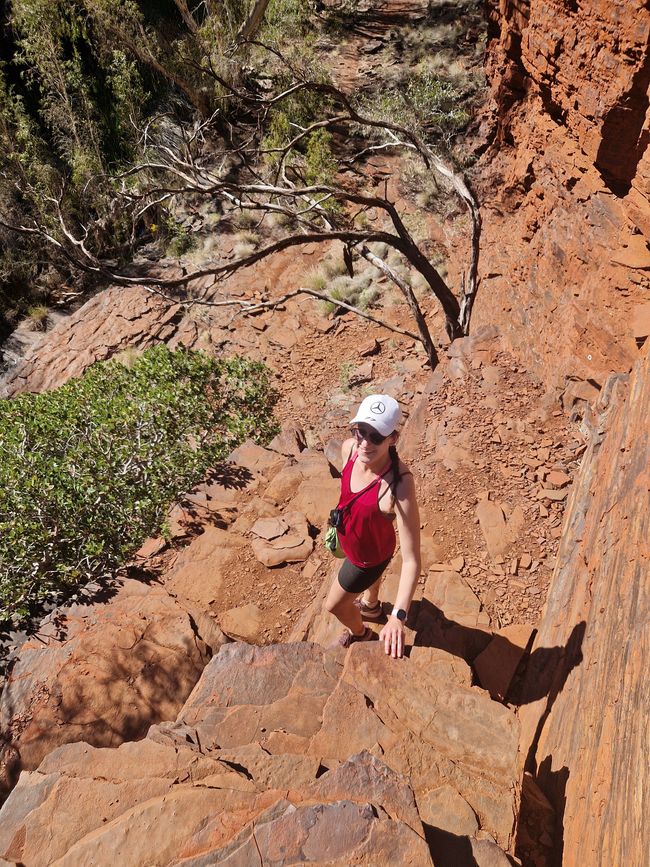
pixel 367 536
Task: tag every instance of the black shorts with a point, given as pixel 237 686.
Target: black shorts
pixel 356 579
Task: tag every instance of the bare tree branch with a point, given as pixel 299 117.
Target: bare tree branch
pixel 182 160
pixel 252 307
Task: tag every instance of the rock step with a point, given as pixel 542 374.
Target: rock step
pixel 283 754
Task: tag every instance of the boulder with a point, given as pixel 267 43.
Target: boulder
pixel 284 539
pixel 496 665
pixel 243 623
pixel 290 441
pixel 104 673
pixel 285 484
pixel 316 497
pixel 254 458
pixel 203 566
pixel 444 808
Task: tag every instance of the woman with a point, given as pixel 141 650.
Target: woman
pixel 376 489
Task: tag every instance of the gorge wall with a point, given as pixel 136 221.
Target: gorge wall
pixel 586 739
pixel 565 265
pixel 566 189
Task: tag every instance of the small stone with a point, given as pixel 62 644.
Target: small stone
pixel 525 561
pixel 557 479
pixel 549 494
pixel 370 348
pixel 458 563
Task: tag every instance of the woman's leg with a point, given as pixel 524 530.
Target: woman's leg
pixel 371 595
pixel 340 603
pixel 350 582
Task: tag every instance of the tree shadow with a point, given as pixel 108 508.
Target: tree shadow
pixel 229 476
pixel 128 688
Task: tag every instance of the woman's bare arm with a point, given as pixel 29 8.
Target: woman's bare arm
pixel 408 526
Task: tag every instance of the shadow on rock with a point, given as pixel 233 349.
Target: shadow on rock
pixel 450 849
pixel 542 672
pixel 229 476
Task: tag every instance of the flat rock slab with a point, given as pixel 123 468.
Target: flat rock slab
pixel 284 539
pixel 498 531
pixel 250 456
pixel 202 566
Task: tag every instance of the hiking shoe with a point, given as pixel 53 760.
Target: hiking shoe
pixel 374 613
pixel 347 638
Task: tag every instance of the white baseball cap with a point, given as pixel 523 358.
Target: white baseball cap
pixel 380 411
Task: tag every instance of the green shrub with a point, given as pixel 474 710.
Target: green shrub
pixel 320 164
pixel 180 241
pixel 88 471
pixel 360 291
pixel 37 317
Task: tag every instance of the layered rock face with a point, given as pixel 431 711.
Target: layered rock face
pixel 587 739
pixel 566 209
pixel 287 754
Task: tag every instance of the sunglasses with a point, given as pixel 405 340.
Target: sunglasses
pixel 371 435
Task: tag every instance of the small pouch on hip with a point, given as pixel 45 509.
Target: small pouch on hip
pixel 332 543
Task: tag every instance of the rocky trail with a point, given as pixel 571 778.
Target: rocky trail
pixel 493 463
pixel 192 711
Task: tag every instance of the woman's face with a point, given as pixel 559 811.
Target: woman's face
pixel 368 447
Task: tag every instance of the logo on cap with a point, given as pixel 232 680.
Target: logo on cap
pixel 378 408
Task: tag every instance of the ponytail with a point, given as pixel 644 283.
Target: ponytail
pixel 394 465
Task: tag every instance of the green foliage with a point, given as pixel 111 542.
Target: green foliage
pixel 288 25
pixel 88 471
pixel 345 374
pixel 422 102
pixel 180 241
pixel 359 291
pixel 37 316
pixel 320 164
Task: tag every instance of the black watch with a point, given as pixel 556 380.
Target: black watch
pixel 399 613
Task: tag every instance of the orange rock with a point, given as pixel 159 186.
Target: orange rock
pixel 118 669
pixel 591 749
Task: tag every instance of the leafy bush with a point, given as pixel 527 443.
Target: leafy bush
pixel 37 317
pixel 320 163
pixel 88 471
pixel 361 291
pixel 423 102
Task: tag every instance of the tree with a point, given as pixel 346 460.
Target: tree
pixel 278 160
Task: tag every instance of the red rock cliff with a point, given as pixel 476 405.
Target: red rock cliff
pixel 586 739
pixel 566 195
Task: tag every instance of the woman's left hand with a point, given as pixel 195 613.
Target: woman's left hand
pixel 393 637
